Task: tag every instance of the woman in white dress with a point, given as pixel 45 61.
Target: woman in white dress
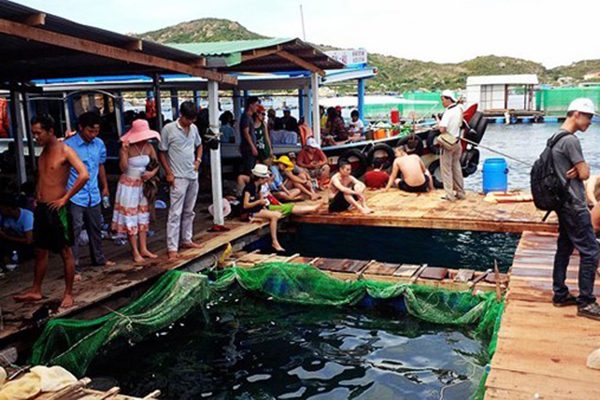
pixel 131 212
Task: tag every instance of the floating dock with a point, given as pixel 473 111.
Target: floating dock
pixel 428 210
pixel 542 349
pixel 103 289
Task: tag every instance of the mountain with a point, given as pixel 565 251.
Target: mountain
pixel 395 74
pixel 201 30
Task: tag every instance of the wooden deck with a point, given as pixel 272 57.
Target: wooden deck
pixel 101 284
pixel 542 349
pixel 406 210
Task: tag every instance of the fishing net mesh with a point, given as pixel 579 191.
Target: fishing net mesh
pixel 73 344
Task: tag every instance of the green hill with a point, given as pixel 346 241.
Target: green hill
pixel 201 30
pixel 395 74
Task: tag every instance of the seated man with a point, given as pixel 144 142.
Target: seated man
pixel 376 178
pixel 346 191
pixel 312 158
pixel 415 177
pixel 16 229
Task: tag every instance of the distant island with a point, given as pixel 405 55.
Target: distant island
pixel 395 74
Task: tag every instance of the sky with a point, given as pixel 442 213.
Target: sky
pixel 551 32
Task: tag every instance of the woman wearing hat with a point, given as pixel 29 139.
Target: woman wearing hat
pixel 261 131
pixel 301 180
pixel 131 213
pixel 255 205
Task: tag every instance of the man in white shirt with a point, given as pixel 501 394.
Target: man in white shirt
pixel 180 155
pixel 451 123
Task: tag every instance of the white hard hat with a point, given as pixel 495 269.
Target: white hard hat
pixel 449 94
pixel 583 105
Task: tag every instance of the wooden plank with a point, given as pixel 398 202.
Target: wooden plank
pixel 542 349
pixel 100 49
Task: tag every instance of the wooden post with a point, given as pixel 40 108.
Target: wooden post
pixel 316 118
pixel 215 155
pixel 25 119
pixel 15 117
pixel 361 99
pixel 307 109
pixel 118 106
pixel 157 101
pixel 174 104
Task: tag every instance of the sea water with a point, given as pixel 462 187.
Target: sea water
pixel 250 348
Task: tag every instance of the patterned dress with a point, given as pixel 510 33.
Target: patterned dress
pixel 131 213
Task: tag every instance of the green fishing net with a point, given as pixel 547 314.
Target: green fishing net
pixel 73 344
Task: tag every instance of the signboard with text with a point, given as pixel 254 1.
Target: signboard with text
pixel 349 58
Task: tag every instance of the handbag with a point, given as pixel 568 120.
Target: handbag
pixel 150 188
pixel 447 140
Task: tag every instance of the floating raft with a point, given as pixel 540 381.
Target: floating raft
pixel 395 208
pixel 542 349
pixel 447 278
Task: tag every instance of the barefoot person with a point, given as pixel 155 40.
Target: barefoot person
pixel 346 191
pixel 180 155
pixel 254 204
pixel 132 213
pixel 52 230
pixel 415 177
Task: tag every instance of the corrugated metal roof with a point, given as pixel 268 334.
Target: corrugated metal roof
pixel 224 48
pixel 521 79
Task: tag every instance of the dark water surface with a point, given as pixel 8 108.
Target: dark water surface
pixel 455 249
pixel 257 349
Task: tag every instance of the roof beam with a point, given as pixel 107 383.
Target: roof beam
pixel 259 54
pixel 37 19
pixel 99 49
pixel 300 62
pixel 134 45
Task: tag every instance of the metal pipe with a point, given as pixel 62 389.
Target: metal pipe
pixel 26 128
pixel 18 138
pixel 157 102
pixel 496 151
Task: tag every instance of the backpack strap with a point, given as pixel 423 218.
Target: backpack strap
pixel 553 141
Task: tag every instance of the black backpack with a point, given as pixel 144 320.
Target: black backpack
pixel 548 189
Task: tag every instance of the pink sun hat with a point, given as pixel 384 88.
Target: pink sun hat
pixel 140 131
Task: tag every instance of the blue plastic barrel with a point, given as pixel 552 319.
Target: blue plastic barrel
pixel 495 175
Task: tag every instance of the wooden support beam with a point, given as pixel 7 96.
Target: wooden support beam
pixel 99 49
pixel 37 19
pixel 300 62
pixel 134 45
pixel 258 54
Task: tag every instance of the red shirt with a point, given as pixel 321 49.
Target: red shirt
pixel 376 179
pixel 306 157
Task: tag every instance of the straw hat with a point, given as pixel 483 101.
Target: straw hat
pixel 140 131
pixel 285 160
pixel 260 171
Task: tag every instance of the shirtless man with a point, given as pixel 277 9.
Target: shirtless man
pixel 346 191
pixel 52 230
pixel 415 177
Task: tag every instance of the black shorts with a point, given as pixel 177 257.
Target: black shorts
pixel 338 203
pixel 52 229
pixel 415 189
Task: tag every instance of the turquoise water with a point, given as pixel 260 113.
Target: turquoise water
pixel 249 348
pixel 525 142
